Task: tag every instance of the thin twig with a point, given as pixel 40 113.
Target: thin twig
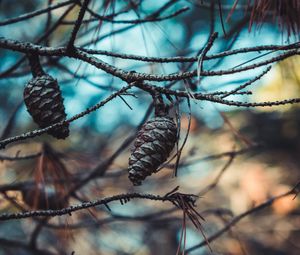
pixel 207 47
pixel 77 24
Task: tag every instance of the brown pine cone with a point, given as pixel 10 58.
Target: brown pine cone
pixel 44 102
pixel 152 146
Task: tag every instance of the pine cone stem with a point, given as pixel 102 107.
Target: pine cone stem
pixel 35 65
pixel 160 108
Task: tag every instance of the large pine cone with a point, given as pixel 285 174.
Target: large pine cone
pixel 152 146
pixel 44 102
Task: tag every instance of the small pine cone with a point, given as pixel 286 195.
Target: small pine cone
pixel 44 102
pixel 152 146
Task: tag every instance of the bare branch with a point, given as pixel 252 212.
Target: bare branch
pixel 77 25
pixel 123 197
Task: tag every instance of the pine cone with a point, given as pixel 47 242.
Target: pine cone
pixel 44 102
pixel 152 146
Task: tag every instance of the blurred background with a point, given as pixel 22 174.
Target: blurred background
pixel 266 140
